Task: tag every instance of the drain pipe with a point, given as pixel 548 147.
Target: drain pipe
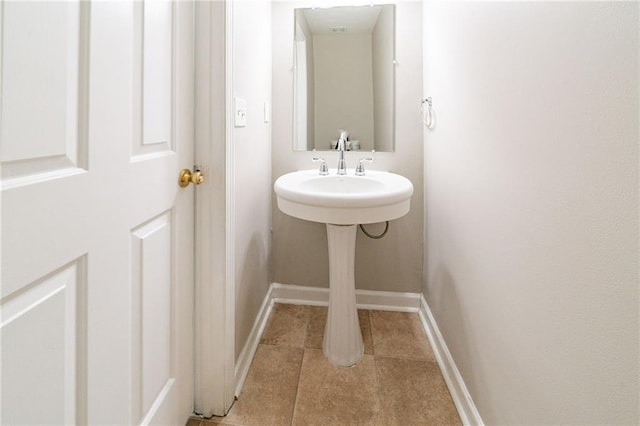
pixel 376 237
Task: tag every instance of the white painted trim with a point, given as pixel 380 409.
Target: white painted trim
pixel 388 300
pixel 250 347
pixel 299 295
pixel 461 398
pixel 365 299
pixel 230 269
pixel 214 288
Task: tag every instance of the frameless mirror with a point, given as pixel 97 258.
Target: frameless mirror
pixel 344 77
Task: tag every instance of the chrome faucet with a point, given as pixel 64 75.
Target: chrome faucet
pixel 342 147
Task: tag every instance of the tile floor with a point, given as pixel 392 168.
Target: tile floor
pixel 290 382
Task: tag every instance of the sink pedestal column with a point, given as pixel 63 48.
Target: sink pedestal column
pixel 342 343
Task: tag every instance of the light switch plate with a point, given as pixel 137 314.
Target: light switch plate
pixel 240 112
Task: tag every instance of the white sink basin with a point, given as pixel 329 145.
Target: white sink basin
pixel 344 199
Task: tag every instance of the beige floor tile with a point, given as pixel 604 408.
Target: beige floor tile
pixel 287 325
pixel 329 395
pixel 414 392
pixel 214 420
pixel 193 422
pixel 221 421
pixel 315 329
pixel 269 391
pixel 399 334
pixel 318 319
pixel 365 328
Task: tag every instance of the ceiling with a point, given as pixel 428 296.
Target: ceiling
pixel 346 19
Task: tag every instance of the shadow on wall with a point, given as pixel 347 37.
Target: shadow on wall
pixel 301 252
pixel 380 265
pixel 250 267
pixel 444 302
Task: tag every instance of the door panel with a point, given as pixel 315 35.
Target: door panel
pixel 46 64
pixel 152 281
pixel 153 53
pixel 42 337
pixel 156 66
pixel 96 292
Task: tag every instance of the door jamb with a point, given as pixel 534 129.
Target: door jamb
pixel 215 225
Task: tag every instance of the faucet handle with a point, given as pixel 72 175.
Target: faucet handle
pixel 324 169
pixel 360 166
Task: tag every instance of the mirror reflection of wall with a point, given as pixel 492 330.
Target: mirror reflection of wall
pixel 344 77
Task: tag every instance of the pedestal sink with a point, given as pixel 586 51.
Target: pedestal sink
pixel 343 202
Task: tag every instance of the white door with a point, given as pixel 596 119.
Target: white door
pixel 97 238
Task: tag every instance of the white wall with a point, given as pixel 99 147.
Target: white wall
pixel 252 166
pixel 299 248
pixel 532 206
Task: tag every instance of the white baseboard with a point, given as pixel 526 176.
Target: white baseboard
pixel 249 350
pixel 365 299
pixel 457 388
pixel 375 300
pixel 299 295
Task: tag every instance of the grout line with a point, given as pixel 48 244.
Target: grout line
pixel 375 369
pixel 295 399
pixel 373 339
pixel 304 350
pixel 380 413
pixel 306 328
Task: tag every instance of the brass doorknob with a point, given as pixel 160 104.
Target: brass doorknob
pixel 187 176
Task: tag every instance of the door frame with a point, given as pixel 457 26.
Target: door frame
pixel 215 224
